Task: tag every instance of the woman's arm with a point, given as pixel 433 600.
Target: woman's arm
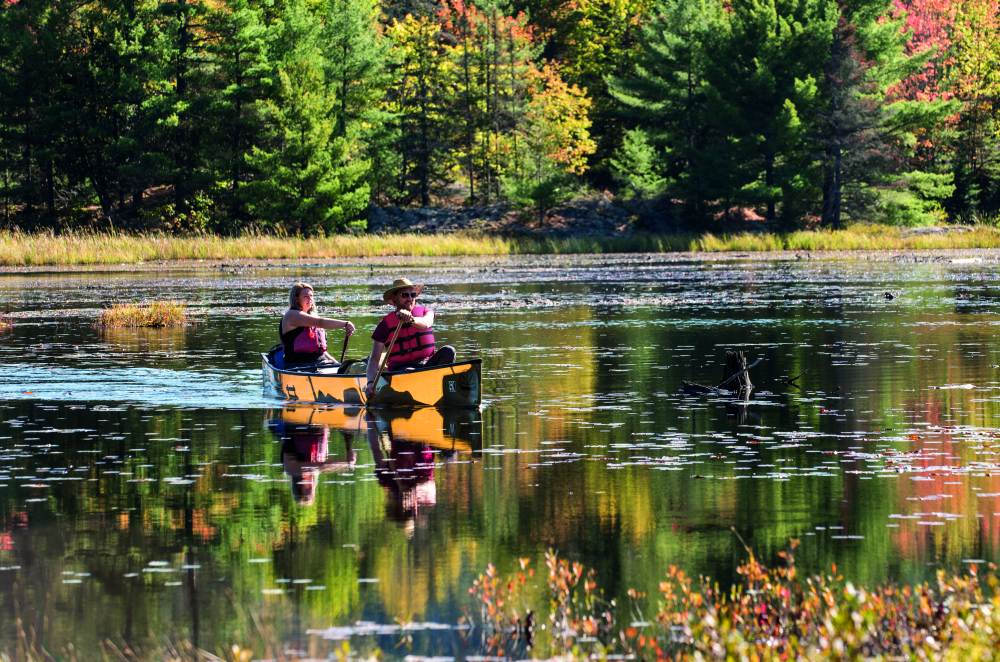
pixel 297 318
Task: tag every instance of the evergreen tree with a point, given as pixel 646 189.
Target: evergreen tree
pixel 762 78
pixel 357 57
pixel 30 41
pixel 868 137
pixel 667 96
pixel 307 179
pixel 244 75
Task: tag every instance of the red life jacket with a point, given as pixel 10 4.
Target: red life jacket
pixel 412 344
pixel 303 344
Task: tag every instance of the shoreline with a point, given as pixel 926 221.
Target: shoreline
pixel 22 252
pixel 237 265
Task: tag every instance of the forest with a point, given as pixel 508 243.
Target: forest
pixel 298 116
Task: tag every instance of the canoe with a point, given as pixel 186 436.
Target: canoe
pixel 447 429
pixel 452 385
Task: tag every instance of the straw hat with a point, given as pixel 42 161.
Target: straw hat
pixel 400 284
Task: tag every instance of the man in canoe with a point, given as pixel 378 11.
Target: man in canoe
pixel 411 345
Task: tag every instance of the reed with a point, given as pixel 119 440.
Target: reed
pixel 21 249
pixel 150 314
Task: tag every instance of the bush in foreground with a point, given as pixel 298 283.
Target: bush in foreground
pixel 771 613
pixel 151 314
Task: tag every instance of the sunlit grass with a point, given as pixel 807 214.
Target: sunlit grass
pixel 20 249
pixel 151 314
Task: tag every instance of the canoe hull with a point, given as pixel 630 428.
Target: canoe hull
pixel 453 385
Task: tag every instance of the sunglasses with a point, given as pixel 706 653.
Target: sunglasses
pixel 408 295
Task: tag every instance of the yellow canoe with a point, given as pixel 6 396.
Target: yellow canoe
pixel 452 385
pixel 448 429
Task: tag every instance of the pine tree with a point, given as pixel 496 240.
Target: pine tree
pixel 29 49
pixel 357 58
pixel 306 179
pixel 869 137
pixel 242 52
pixel 667 96
pixel 762 79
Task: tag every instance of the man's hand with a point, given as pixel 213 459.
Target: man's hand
pixel 349 328
pixel 405 316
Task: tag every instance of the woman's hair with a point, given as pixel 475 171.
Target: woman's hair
pixel 293 297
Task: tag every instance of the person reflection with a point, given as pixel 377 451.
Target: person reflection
pixel 406 470
pixel 305 455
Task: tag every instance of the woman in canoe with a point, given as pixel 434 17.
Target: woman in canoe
pixel 303 331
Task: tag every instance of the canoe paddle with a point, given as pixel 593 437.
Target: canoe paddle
pixel 343 352
pixel 385 358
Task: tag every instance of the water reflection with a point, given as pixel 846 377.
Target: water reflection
pixel 305 455
pixel 139 481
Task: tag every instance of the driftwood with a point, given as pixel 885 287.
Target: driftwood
pixel 736 376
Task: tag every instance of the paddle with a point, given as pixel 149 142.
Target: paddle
pixel 343 352
pixel 385 358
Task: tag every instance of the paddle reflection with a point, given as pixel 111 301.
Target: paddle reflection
pixel 305 454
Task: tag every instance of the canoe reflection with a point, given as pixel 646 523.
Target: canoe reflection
pixel 403 444
pixel 305 455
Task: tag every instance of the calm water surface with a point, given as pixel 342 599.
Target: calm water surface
pixel 149 492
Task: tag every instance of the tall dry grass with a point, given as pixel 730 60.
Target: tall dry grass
pixel 20 249
pixel 150 314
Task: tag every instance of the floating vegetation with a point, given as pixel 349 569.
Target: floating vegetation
pixel 772 612
pixel 149 314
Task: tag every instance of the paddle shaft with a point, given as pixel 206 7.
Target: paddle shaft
pixel 343 352
pixel 385 359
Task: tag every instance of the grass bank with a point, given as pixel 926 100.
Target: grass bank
pixel 20 249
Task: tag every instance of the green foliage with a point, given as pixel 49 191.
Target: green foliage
pixel 635 166
pixel 552 145
pixel 916 199
pixel 292 115
pixel 667 96
pixel 307 179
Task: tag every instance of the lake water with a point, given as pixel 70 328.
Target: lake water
pixel 150 493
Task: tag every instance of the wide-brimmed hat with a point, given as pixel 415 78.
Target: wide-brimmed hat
pixel 400 284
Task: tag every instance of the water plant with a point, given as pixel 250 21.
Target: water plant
pixel 149 314
pixel 772 612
